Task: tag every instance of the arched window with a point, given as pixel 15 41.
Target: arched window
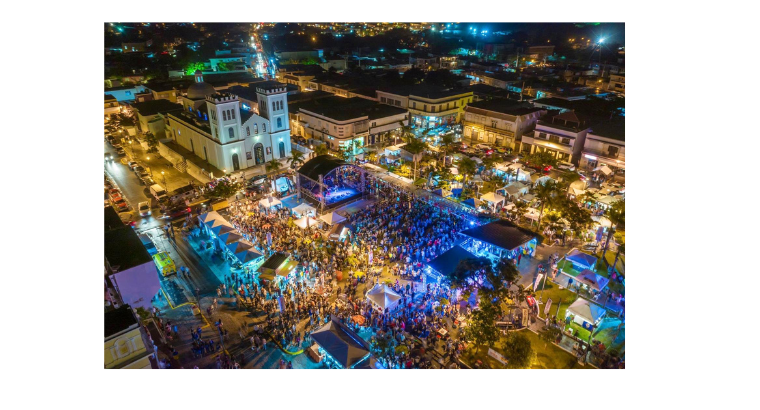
pixel 255 128
pixel 231 132
pixel 279 123
pixel 233 114
pixel 264 127
pixel 247 131
pixel 224 115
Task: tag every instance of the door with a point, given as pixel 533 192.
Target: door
pixel 282 149
pixel 235 162
pixel 258 153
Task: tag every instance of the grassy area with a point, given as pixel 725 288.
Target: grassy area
pixel 610 257
pixel 567 267
pixel 552 291
pixel 548 356
pixel 579 331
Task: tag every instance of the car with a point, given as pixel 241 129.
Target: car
pixel 566 166
pixel 482 147
pixel 108 157
pixel 147 180
pixel 142 175
pixel 111 139
pixel 501 150
pixel 108 185
pixel 121 205
pixel 143 208
pixel 177 212
pixel 120 152
pixel 114 194
pixel 138 168
pixel 132 165
pixel 116 144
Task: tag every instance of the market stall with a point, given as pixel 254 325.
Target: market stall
pixel 306 222
pixel 270 202
pixel 585 313
pixel 332 218
pixel 340 346
pixel 304 210
pixel 383 297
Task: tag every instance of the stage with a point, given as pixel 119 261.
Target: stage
pixel 336 194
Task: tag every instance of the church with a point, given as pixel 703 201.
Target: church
pixel 213 126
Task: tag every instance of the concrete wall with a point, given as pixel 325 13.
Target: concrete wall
pixel 125 348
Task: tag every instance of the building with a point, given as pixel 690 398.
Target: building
pixel 342 121
pixel 499 122
pixel 605 145
pixel 296 55
pixel 138 47
pixel 126 344
pixel 617 83
pixel 215 131
pixel 298 74
pixel 111 105
pixel 151 116
pixel 428 105
pixel 125 92
pixel 131 276
pixel 540 52
pixel 500 79
pixel 164 91
pixel 560 135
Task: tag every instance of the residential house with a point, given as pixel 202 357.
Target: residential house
pixel 111 105
pixel 561 135
pixel 605 145
pixel 499 122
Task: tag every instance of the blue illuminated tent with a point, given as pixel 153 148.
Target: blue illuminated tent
pixel 456 192
pixel 581 260
pixel 341 343
pixel 469 202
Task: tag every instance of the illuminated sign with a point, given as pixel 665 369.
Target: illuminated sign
pixel 590 156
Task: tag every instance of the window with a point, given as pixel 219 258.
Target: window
pixel 414 104
pixel 231 132
pixel 233 114
pixel 247 131
pixel 255 128
pixel 383 99
pixel 398 103
pixel 493 124
pixel 279 123
pixel 424 107
pixel 566 141
pixel 432 108
pixel 264 127
pixel 224 115
pixel 542 135
pixel 613 151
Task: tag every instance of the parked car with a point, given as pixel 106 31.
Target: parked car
pixel 566 165
pixel 121 205
pixel 132 165
pixel 147 181
pixel 138 169
pixel 177 212
pixel 143 208
pixel 114 194
pixel 142 175
pixel 120 152
pixel 111 139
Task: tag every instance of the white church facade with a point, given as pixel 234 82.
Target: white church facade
pixel 213 126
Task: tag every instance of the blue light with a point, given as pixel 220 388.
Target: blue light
pixel 472 223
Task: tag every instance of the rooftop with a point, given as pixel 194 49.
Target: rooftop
pixel 502 234
pixel 614 129
pixel 154 107
pixel 118 320
pixel 425 91
pixel 509 107
pixel 344 109
pixel 124 250
pixel 109 97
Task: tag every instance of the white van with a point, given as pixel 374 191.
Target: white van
pixel 158 192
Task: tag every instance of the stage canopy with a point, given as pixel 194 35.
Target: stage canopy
pixel 332 218
pixel 321 165
pixel 239 246
pixel 248 255
pixel 447 262
pixel 383 296
pixel 502 234
pixel 341 343
pixel 306 222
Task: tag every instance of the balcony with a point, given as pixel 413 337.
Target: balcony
pixel 500 131
pixel 604 154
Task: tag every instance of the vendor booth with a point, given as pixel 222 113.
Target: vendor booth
pixel 332 218
pixel 304 210
pixel 493 199
pixel 604 169
pixel 270 202
pixel 341 347
pixel 445 193
pixel 446 263
pixel 514 190
pixel 500 239
pixel 472 202
pixel 277 266
pixel 585 313
pixel 592 281
pixel 307 222
pixel 383 297
pixel 581 260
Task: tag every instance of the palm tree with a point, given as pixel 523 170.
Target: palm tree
pixel 616 215
pixel 296 159
pixel 415 147
pixel 447 142
pixel 545 192
pixel 554 225
pixel 620 240
pixel 273 166
pixel 467 167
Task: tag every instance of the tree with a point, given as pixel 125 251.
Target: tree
pixel 413 75
pixel 416 147
pixel 518 351
pixel 191 68
pixel 296 159
pixel 519 209
pixel 545 193
pixel 467 167
pixel 482 326
pixel 616 215
pixel 273 166
pixel 224 188
pixel 540 159
pixel 320 149
pixel 447 143
pixel 508 272
pixel 620 240
pixel 553 223
pixel 224 66
pixel 152 142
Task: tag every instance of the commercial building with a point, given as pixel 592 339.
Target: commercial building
pixel 125 92
pixel 125 345
pixel 605 145
pixel 428 105
pixel 561 135
pixel 341 121
pixel 499 122
pixel 617 83
pixel 216 132
pixel 499 79
pixel 111 105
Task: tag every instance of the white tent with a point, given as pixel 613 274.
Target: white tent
pixel 576 191
pixel 332 218
pixel 515 166
pixel 303 209
pixel 492 198
pixel 585 311
pixel 532 213
pixel 383 297
pixel 528 197
pixel 454 170
pixel 602 221
pixel 270 202
pixel 476 159
pixel 306 222
pixel 477 179
pixel 516 189
pixel 604 169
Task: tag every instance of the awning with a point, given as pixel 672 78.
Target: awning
pixel 492 197
pixel 341 343
pixel 332 218
pixel 383 296
pixel 303 209
pixel 591 312
pixel 269 202
pixel 581 259
pixel 306 222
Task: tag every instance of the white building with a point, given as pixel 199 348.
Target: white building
pixel 562 136
pixel 499 122
pixel 214 128
pixel 605 145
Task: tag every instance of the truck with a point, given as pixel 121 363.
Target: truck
pixel 158 192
